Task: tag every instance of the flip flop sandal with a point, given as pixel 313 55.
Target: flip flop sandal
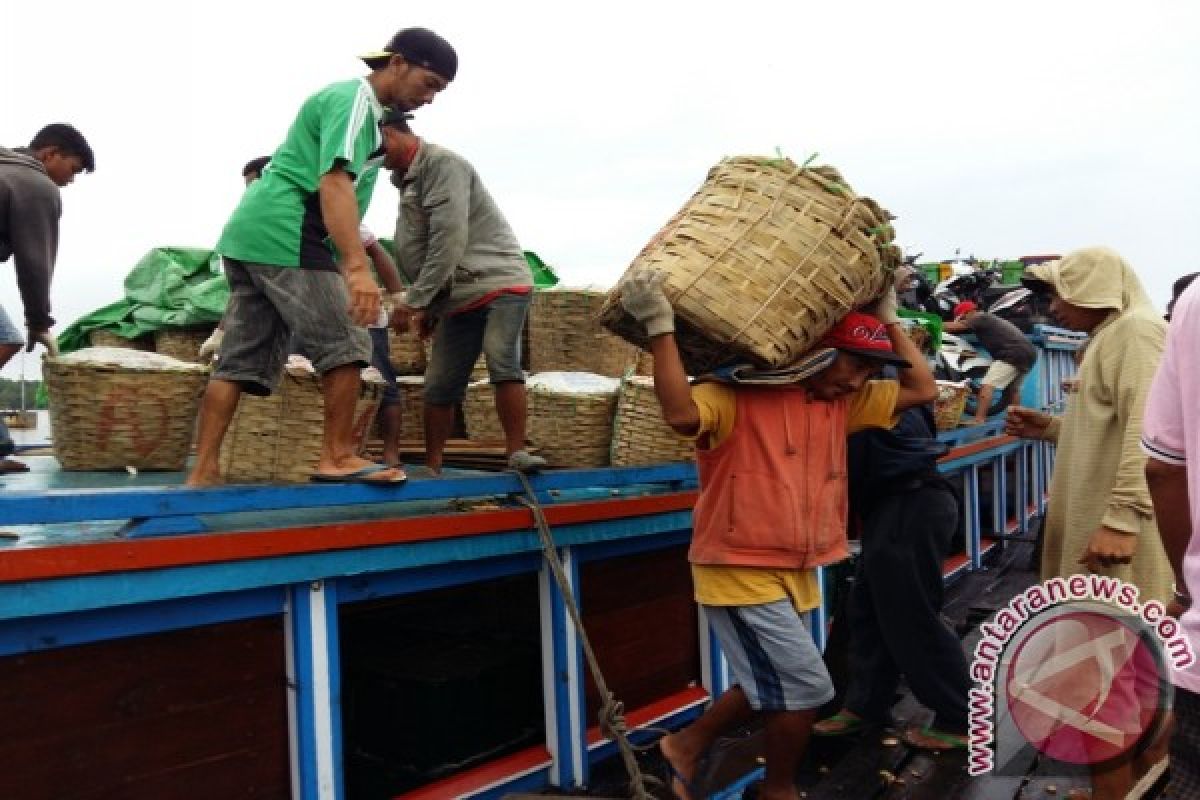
pixel 367 475
pixel 951 741
pixel 849 725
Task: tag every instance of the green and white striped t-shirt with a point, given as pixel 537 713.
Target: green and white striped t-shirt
pixel 278 220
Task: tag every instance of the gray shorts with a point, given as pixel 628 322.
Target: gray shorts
pixel 9 333
pixel 266 304
pixel 458 339
pixel 772 656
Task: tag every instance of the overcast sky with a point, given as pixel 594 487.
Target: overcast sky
pixel 1001 129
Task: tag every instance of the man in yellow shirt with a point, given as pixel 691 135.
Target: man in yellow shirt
pixel 772 508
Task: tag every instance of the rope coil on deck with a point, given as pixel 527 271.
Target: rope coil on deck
pixel 611 715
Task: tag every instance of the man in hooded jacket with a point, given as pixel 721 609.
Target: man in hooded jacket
pixel 1100 517
pixel 30 207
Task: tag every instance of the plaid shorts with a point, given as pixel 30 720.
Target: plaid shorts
pixel 1185 748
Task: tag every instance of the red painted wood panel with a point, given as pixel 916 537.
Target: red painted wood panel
pixel 196 713
pixel 640 615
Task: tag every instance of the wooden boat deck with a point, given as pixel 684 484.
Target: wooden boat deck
pixel 874 764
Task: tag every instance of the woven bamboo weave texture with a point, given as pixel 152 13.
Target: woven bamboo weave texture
pixel 181 343
pixel 566 334
pixel 408 353
pixel 763 260
pixel 412 405
pixel 571 429
pixel 640 435
pixel 278 438
pixel 479 413
pixel 108 417
pixel 103 338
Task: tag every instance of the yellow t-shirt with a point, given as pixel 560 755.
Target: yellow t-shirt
pixel 717 585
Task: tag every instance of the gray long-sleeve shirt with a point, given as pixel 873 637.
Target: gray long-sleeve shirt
pixel 30 207
pixel 453 244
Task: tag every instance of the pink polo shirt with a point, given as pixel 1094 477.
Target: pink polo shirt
pixel 1171 433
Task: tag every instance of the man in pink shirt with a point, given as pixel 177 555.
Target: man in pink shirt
pixel 1171 438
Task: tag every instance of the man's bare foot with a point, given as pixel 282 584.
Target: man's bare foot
pixel 681 765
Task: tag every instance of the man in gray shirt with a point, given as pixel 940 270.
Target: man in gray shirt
pixel 1012 354
pixel 30 206
pixel 469 286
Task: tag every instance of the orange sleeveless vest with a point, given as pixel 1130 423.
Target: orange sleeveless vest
pixel 773 493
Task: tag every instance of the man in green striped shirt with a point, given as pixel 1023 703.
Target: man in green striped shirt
pixel 296 264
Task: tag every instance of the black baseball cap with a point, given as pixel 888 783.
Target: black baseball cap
pixel 419 46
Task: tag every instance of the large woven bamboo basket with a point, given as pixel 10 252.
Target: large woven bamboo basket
pixel 640 435
pixel 181 343
pixel 112 408
pixel 102 338
pixel 950 403
pixel 408 353
pixel 412 404
pixel 571 417
pixel 278 438
pixel 566 334
pixel 762 261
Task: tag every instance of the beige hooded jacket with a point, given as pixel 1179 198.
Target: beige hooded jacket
pixel 1099 477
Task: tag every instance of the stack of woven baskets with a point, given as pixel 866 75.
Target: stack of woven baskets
pixel 571 417
pixel 278 438
pixel 113 408
pixel 762 261
pixel 640 435
pixel 566 335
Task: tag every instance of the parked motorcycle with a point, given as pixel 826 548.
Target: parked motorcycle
pixel 1018 305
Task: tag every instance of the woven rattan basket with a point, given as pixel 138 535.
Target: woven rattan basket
pixel 571 417
pixel 181 343
pixel 566 335
pixel 479 413
pixel 408 353
pixel 950 403
pixel 103 338
pixel 278 438
pixel 640 436
pixel 644 364
pixel 412 404
pixel 764 259
pixel 112 408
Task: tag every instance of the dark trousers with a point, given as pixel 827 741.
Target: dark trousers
pixel 895 619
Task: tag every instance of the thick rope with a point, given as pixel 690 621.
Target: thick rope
pixel 612 711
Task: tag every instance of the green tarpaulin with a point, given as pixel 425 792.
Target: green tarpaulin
pixel 182 287
pixel 171 287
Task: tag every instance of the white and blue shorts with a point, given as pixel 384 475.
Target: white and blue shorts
pixel 772 656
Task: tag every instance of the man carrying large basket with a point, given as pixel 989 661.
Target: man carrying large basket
pixel 772 508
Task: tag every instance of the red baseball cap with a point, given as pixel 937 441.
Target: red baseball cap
pixel 864 335
pixel 965 307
